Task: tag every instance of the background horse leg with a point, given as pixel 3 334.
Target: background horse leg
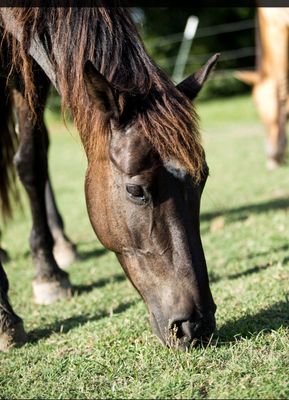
pixel 271 110
pixel 64 250
pixel 276 140
pixel 50 283
pixel 11 326
pixel 274 37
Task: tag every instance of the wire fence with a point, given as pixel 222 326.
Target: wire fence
pixel 160 41
pixel 227 55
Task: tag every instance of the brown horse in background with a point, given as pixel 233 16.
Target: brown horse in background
pixel 270 81
pixel 146 167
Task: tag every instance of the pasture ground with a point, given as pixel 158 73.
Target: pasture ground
pixel 99 344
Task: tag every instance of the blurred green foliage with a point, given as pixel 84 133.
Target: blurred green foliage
pixel 167 21
pixel 54 101
pixel 225 85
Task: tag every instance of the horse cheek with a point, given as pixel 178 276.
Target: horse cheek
pixel 98 202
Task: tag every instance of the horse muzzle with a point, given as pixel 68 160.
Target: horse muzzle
pixel 184 332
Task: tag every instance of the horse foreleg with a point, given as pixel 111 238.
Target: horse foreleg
pixel 50 283
pixel 64 250
pixel 4 256
pixel 11 326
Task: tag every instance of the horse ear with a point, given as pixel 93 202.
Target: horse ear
pixel 191 86
pixel 99 90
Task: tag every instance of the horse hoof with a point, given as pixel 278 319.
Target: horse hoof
pixel 272 164
pixel 65 254
pixel 49 292
pixel 14 336
pixel 4 256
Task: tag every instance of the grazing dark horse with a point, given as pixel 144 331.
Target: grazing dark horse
pixel 63 249
pixel 146 166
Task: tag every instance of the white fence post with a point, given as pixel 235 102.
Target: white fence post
pixel 184 50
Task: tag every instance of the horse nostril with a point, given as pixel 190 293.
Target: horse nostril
pixel 190 329
pixel 176 329
pixel 185 329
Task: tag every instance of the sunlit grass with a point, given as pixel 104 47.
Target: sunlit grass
pixel 99 344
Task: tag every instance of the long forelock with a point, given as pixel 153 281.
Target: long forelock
pixel 170 123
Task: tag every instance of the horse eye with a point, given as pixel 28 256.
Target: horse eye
pixel 136 194
pixel 135 190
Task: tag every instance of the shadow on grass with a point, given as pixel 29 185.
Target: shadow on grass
pixel 254 270
pixel 257 268
pixel 87 254
pixel 68 324
pixel 266 320
pixel 243 212
pixel 82 254
pixel 26 254
pixel 285 260
pixel 80 289
pixel 270 251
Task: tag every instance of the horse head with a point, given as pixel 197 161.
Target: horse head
pixel 145 208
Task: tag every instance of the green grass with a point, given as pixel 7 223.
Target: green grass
pixel 99 344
